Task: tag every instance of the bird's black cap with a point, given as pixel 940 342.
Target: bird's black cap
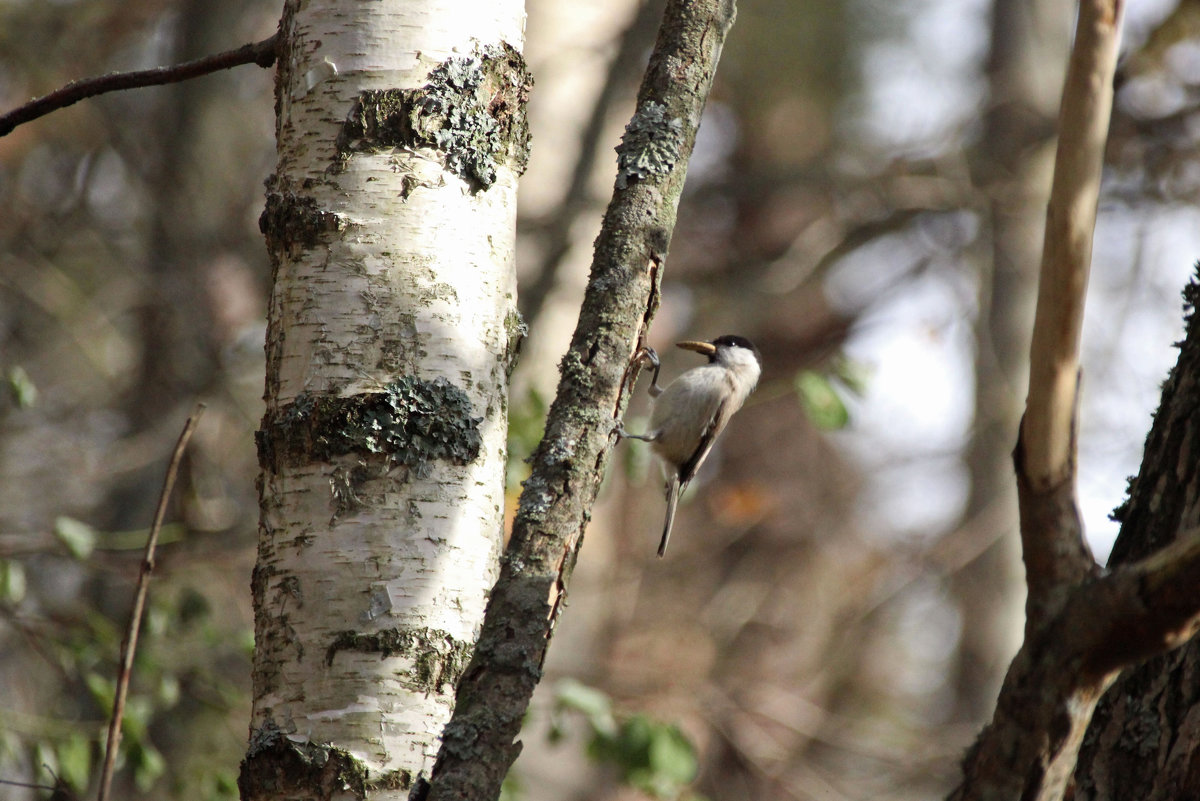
pixel 734 341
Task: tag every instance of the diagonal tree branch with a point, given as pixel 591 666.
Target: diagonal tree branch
pixel 261 53
pixel 1141 609
pixel 622 296
pixel 1159 695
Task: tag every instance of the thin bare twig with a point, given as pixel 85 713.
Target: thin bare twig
pixel 28 785
pixel 129 645
pixel 261 53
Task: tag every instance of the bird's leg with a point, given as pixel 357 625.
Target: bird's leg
pixel 619 429
pixel 623 434
pixel 647 355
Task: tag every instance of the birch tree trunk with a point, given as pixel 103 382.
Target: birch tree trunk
pixel 390 221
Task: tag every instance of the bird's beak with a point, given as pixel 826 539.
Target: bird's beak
pixel 706 348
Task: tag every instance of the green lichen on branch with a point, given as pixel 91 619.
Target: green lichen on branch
pixel 650 145
pixel 439 659
pixel 413 422
pixel 472 110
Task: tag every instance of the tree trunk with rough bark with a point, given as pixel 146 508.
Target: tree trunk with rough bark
pixel 390 222
pixel 1145 733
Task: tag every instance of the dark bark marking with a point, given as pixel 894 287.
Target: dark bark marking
pixel 472 110
pixel 413 422
pixel 440 659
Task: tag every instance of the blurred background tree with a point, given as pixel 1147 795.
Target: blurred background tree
pixel 865 203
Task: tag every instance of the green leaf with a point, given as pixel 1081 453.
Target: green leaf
pixel 12 581
pixel 526 422
pixel 821 401
pixel 635 455
pixel 168 690
pixel 244 642
pixel 103 690
pixel 157 621
pixel 577 696
pixel 75 761
pixel 852 375
pixel 138 713
pixel 672 755
pixel 224 785
pixel 653 757
pixel 45 761
pixel 79 537
pixel 193 606
pixel 148 765
pixel 595 705
pixel 23 390
pixel 633 743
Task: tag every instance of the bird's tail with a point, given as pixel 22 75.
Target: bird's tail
pixel 673 492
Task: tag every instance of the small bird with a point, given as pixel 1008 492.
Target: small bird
pixel 693 410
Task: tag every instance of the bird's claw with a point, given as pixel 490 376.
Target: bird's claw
pixel 647 355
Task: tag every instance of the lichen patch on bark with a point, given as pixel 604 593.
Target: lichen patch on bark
pixel 291 222
pixel 472 110
pixel 281 764
pixel 650 145
pixel 413 422
pixel 439 658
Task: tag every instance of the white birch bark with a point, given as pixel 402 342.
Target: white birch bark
pixel 372 575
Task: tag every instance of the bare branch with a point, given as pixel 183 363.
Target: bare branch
pixel 261 53
pixel 1143 609
pixel 1056 555
pixel 129 645
pixel 1066 256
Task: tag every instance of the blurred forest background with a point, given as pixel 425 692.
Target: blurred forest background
pixel 843 592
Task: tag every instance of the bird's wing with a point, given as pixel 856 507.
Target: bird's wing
pixel 716 424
